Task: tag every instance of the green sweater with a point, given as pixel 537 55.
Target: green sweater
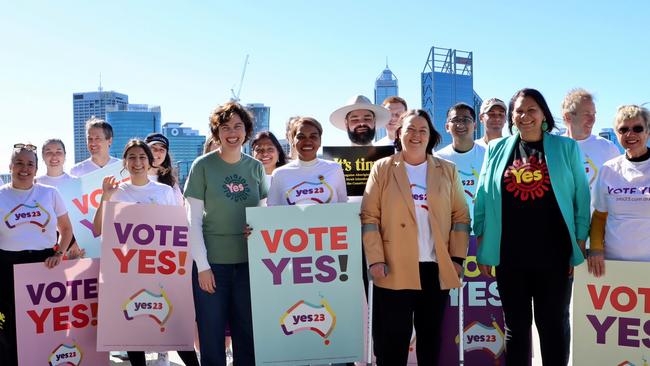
pixel 226 190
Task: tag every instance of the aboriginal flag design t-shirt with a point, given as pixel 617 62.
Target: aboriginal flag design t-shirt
pixel 533 232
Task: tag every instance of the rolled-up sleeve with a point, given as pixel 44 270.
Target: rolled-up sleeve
pixel 371 218
pixel 460 219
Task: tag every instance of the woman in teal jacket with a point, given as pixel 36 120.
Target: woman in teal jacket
pixel 531 219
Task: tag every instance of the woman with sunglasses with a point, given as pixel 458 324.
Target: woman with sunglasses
pixel 620 224
pixel 32 215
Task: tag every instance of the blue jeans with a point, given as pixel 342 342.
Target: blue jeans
pixel 230 304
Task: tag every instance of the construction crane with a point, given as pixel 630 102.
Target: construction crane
pixel 235 97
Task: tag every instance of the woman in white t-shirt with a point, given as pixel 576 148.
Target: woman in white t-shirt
pixel 137 160
pixel 162 169
pixel 308 179
pixel 620 224
pixel 32 215
pixel 53 154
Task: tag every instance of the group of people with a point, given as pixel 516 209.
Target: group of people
pixel 526 197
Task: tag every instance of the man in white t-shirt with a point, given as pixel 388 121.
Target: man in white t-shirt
pixel 396 106
pixel 99 137
pixel 463 151
pixel 579 113
pixel 360 119
pixel 493 118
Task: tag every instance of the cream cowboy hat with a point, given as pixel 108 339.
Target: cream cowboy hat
pixel 382 115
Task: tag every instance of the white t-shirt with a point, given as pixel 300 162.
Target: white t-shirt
pixel 314 182
pixel 481 142
pixel 468 165
pixel 152 192
pixel 29 217
pixel 418 179
pixel 177 190
pixel 54 181
pixel 385 141
pixel 595 152
pixel 622 189
pixel 88 166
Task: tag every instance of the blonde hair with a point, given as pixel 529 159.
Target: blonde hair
pixel 631 111
pixel 574 98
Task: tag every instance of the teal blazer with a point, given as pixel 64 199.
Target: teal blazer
pixel 569 183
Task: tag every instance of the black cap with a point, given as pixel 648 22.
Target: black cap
pixel 157 138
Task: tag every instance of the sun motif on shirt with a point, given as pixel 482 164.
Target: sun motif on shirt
pixel 527 180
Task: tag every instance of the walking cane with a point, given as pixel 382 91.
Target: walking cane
pixel 461 320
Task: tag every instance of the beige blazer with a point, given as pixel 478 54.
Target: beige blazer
pixel 390 232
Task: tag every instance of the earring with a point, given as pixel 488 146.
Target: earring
pixel 544 125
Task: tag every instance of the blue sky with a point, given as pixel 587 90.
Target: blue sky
pixel 306 57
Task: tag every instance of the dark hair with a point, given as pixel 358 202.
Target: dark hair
pixel 94 122
pixel 282 157
pixel 15 153
pixel 224 113
pixel 395 99
pixel 434 136
pixel 52 141
pixel 165 171
pixel 138 143
pixel 539 99
pixel 464 106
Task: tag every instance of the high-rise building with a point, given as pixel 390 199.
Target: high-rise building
pixel 608 133
pixel 261 122
pixel 385 86
pixel 131 121
pixel 447 79
pixel 185 145
pixel 86 105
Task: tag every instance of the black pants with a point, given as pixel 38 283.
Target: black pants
pixel 550 292
pixel 395 312
pixel 8 346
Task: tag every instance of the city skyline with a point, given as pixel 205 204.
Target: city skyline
pixel 301 63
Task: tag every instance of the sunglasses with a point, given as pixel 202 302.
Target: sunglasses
pixel 28 147
pixel 636 129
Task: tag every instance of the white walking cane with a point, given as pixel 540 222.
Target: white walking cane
pixel 461 320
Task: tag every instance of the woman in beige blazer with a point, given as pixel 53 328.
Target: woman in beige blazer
pixel 415 236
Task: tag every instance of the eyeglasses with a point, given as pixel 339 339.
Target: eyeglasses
pixel 461 120
pixel 28 147
pixel 636 129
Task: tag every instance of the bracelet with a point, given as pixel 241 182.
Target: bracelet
pixel 58 253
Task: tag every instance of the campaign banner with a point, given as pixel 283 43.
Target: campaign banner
pixel 483 323
pixel 145 298
pixel 611 315
pixel 82 197
pixel 356 162
pixel 306 284
pixel 56 314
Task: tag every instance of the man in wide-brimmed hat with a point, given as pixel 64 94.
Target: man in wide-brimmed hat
pixel 360 118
